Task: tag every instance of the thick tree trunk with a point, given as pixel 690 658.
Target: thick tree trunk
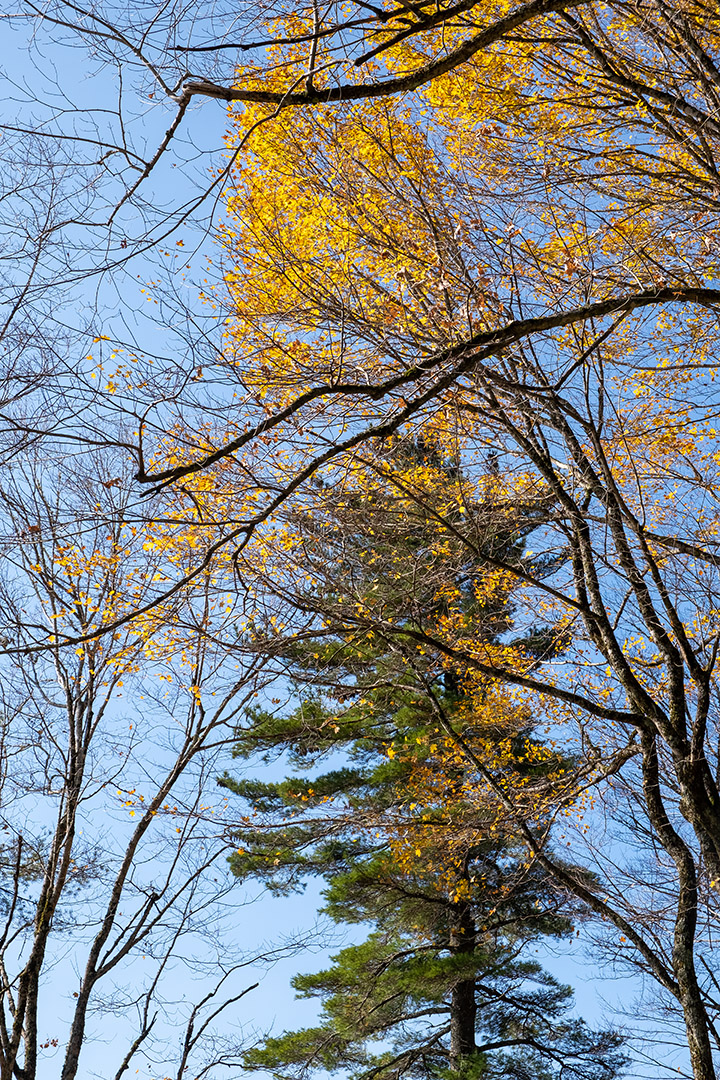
pixel 683 954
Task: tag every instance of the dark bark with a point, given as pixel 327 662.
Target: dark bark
pixel 683 953
pixel 463 1006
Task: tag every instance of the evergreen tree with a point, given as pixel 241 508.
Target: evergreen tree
pixel 403 833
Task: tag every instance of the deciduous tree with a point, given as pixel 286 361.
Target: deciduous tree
pixel 113 854
pixel 394 275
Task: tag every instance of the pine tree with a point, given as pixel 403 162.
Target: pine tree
pixel 441 982
pixel 403 834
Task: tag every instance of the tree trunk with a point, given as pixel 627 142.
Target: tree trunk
pixel 463 1008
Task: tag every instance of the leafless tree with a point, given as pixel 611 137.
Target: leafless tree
pixel 114 841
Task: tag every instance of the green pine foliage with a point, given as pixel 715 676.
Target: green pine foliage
pixel 446 956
